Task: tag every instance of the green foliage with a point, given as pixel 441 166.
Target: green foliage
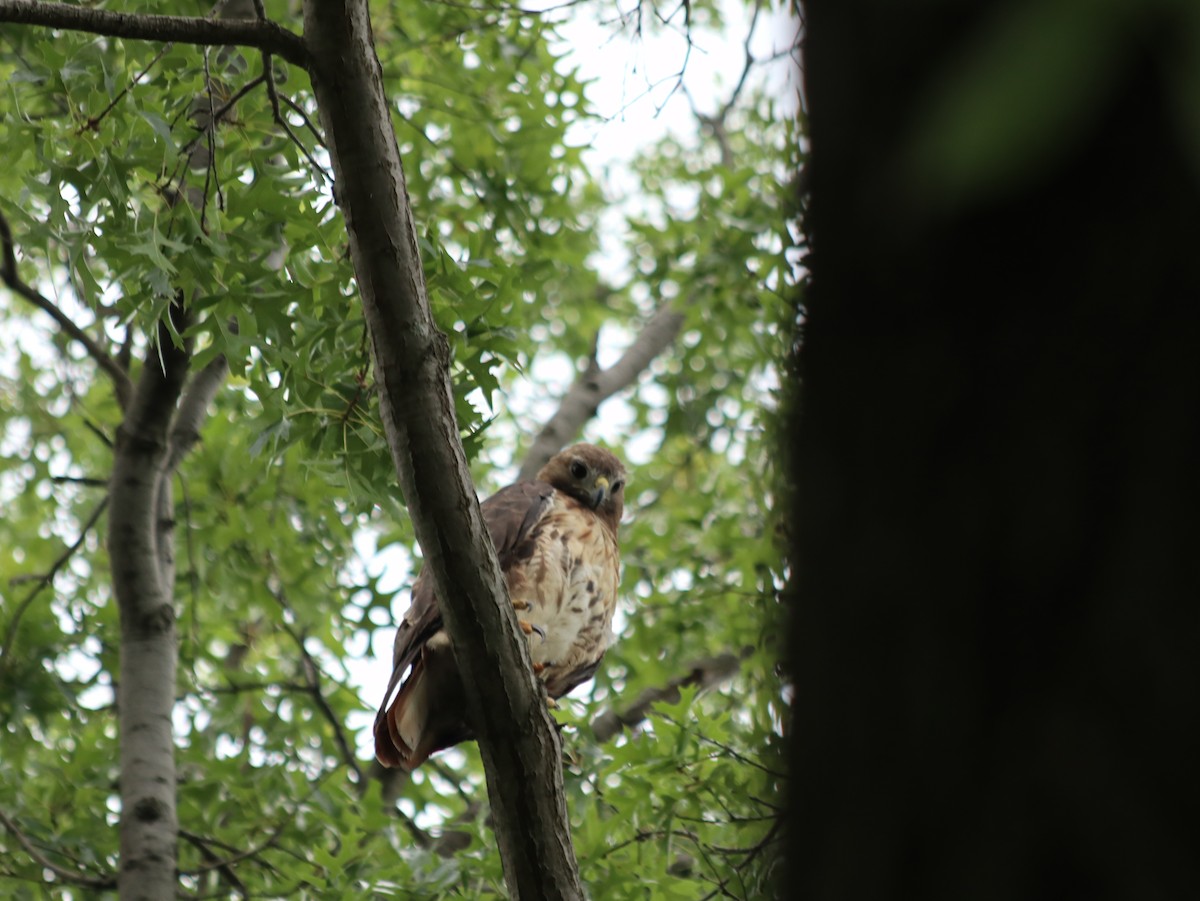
pixel 120 200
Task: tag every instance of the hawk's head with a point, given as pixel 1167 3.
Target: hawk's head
pixel 592 476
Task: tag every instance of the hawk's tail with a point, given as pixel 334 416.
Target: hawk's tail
pixel 426 715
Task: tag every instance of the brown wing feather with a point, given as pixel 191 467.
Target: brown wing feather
pixel 510 515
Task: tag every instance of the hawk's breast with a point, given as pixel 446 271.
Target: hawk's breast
pixel 570 583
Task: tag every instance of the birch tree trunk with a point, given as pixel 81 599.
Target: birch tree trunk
pixel 140 547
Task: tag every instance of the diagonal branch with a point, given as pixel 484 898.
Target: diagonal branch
pixel 262 35
pixel 47 578
pixel 8 270
pixel 308 123
pixel 595 385
pixel 717 122
pixel 703 673
pixel 277 113
pixel 71 876
pixel 210 857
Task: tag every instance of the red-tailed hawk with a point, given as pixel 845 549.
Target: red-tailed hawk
pixel 556 538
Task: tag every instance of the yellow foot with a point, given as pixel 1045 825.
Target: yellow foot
pixel 520 605
pixel 538 668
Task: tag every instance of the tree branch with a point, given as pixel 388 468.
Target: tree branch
pixel 8 270
pixel 594 386
pixel 704 673
pixel 193 410
pixel 71 876
pixel 517 739
pixel 262 35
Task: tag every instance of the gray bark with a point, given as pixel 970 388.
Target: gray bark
pixel 138 544
pixel 517 740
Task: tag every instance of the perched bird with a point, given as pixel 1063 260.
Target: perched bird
pixel 556 538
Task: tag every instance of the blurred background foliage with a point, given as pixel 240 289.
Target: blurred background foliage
pixel 288 505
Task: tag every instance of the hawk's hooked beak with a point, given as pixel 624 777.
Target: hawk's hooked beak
pixel 601 492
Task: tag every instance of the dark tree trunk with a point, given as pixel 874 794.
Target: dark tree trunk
pixel 517 741
pixel 994 633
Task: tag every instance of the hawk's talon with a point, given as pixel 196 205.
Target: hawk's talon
pixel 530 628
pixel 518 604
pixel 538 668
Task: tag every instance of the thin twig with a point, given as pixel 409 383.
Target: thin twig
pixel 454 781
pixel 96 430
pixel 271 841
pixel 211 176
pixel 80 480
pixel 687 55
pixel 93 122
pixel 648 835
pixel 312 676
pixel 741 758
pixel 420 836
pixel 751 854
pixel 747 65
pixel 47 578
pixel 273 95
pixel 308 123
pixel 518 10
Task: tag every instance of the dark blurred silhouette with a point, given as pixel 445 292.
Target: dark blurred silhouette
pixel 995 612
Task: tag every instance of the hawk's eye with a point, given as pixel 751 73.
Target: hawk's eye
pixel 578 470
pixel 617 486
